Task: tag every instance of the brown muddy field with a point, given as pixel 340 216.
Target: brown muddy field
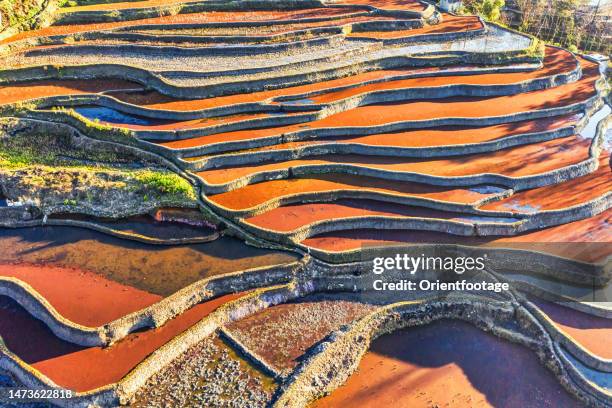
pixel 86 368
pixel 255 194
pixel 160 270
pixel 556 196
pixel 592 332
pixel 281 334
pixel 519 161
pixel 448 364
pixel 83 297
pixel 291 217
pixel 562 240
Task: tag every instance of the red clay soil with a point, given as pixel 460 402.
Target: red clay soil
pixel 291 217
pixel 194 18
pixel 563 240
pixel 86 368
pixel 592 332
pixel 556 196
pixel 412 5
pixel 471 107
pixel 449 24
pixel 81 297
pixel 439 136
pixel 156 100
pixel 256 194
pixel 555 62
pixel 37 89
pixel 514 162
pixel 448 364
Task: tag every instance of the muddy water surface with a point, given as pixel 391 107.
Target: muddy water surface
pixel 160 270
pixel 448 364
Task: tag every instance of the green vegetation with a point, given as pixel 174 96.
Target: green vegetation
pixel 47 167
pixel 488 9
pixel 166 183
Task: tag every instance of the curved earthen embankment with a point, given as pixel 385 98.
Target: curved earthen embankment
pixel 364 57
pixel 150 298
pixel 586 336
pixel 343 246
pixel 286 17
pixel 261 197
pixel 398 116
pixel 119 371
pixel 447 363
pixel 555 197
pixel 154 8
pixel 497 168
pixel 343 350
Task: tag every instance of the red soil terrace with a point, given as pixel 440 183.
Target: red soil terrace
pixel 592 332
pixel 39 89
pixel 515 162
pixel 471 107
pixel 555 62
pixel 449 24
pixel 81 368
pixel 561 240
pixel 291 217
pixel 555 196
pixel 195 18
pixel 256 194
pixel 412 5
pixel 448 364
pixel 156 100
pixel 83 297
pixel 440 136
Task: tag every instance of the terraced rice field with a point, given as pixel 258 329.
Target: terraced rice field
pixel 306 139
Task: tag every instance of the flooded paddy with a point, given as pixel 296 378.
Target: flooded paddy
pixel 555 196
pixel 170 225
pixel 86 368
pixel 448 363
pixel 113 117
pixel 257 194
pixel 536 158
pixel 561 240
pixel 159 270
pixel 19 92
pixel 592 332
pixel 449 24
pixel 83 297
pixel 291 217
pixel 556 61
